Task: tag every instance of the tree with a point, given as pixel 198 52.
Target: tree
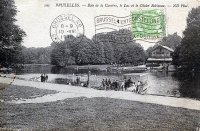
pixel 85 51
pixel 11 35
pixel 171 41
pixel 61 55
pixel 133 53
pixel 188 54
pixel 120 48
pixel 175 56
pixel 33 55
pixel 108 53
pixel 97 51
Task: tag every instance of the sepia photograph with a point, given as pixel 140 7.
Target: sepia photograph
pixel 89 65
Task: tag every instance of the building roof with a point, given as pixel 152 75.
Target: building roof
pixel 159 59
pixel 167 48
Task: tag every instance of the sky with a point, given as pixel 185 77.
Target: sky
pixel 35 17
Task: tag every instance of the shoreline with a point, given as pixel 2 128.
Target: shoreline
pixel 49 106
pixel 66 91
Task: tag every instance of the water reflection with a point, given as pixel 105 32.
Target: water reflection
pixel 189 85
pixel 162 83
pixel 31 68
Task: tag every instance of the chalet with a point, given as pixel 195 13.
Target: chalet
pixel 160 54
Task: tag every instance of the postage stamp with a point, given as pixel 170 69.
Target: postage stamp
pixel 148 24
pixel 66 26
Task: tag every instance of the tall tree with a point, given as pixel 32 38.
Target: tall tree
pixel 11 35
pixel 108 53
pixel 171 41
pixel 100 50
pixel 61 55
pixel 39 55
pixel 133 53
pixel 188 54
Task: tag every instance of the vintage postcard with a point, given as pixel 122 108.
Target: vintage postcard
pixel 100 65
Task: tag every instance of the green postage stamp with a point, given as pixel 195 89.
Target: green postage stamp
pixel 148 24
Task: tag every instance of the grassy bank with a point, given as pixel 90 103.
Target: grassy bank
pixel 13 92
pixel 97 114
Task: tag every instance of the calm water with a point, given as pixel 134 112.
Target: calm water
pixel 159 83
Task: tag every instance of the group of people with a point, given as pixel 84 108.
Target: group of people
pixel 137 88
pixel 44 77
pixel 107 84
pixel 78 82
pixel 122 85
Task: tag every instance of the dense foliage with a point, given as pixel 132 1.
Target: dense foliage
pixel 172 41
pixel 187 55
pixel 35 55
pixel 11 35
pixel 98 50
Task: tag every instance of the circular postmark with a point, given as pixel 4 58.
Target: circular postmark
pixel 66 26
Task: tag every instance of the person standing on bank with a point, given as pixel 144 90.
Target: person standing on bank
pixel 122 85
pixel 42 77
pixel 106 84
pixel 77 81
pixel 109 84
pixel 46 78
pixel 103 84
pixel 139 87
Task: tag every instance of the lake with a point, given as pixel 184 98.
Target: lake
pixel 159 83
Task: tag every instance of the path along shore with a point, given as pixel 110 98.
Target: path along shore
pixel 66 91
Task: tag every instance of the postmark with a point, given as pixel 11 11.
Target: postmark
pixel 66 26
pixel 113 28
pixel 148 24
